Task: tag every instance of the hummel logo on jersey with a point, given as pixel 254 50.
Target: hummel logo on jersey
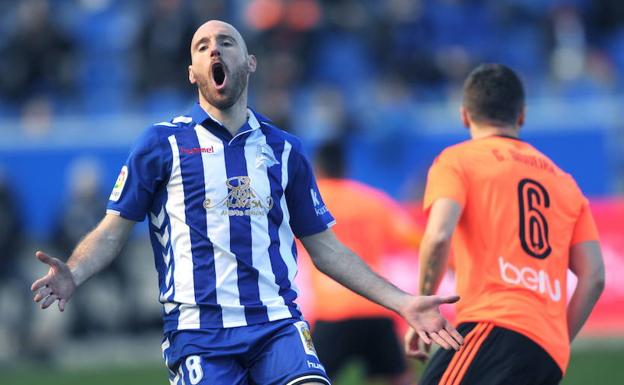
pixel 197 150
pixel 241 200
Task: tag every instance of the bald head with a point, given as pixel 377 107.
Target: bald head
pixel 220 65
pixel 217 28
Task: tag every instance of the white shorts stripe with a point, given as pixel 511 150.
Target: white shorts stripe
pixel 309 378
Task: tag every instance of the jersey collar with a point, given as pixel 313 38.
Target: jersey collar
pixel 203 118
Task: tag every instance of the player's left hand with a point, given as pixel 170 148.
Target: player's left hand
pixel 422 313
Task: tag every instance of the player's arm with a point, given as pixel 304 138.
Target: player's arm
pixel 434 252
pixel 331 257
pixel 436 243
pixel 586 263
pixel 96 251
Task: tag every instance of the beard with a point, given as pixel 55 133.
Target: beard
pixel 229 95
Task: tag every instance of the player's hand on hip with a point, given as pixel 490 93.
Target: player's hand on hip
pixel 422 313
pixel 414 347
pixel 57 285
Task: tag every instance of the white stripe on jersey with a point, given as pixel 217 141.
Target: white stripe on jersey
pixel 260 239
pixel 286 235
pixel 226 266
pixel 181 244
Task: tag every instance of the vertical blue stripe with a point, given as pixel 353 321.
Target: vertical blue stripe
pixel 293 249
pixel 204 274
pixel 158 249
pixel 240 239
pixel 296 312
pixel 276 216
pixel 161 269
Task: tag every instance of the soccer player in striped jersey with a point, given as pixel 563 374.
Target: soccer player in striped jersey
pixel 517 224
pixel 226 193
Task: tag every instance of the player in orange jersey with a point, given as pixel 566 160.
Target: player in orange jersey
pixel 373 225
pixel 518 223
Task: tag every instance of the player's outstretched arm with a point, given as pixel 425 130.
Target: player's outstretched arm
pixel 422 313
pixel 93 253
pixel 586 263
pixel 434 251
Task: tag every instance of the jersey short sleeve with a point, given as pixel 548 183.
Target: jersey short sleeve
pixel 445 180
pixel 585 228
pixel 308 213
pixel 139 178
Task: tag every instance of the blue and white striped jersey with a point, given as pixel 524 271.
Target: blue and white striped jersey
pixel 224 212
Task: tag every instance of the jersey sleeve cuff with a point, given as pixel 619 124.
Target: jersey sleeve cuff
pixel 126 215
pixel 428 203
pixel 315 230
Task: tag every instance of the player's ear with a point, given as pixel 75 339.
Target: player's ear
pixel 465 117
pixel 191 75
pixel 252 63
pixel 521 116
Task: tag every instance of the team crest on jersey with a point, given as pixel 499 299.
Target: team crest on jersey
pixel 242 199
pixel 265 156
pixel 306 337
pixel 119 184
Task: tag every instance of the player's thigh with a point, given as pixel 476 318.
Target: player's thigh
pixel 288 357
pixel 200 370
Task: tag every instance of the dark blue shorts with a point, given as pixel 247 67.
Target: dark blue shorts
pixel 272 353
pixel 492 355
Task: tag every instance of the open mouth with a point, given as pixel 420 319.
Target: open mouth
pixel 218 74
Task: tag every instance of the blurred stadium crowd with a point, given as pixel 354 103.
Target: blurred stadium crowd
pixel 328 69
pixel 93 57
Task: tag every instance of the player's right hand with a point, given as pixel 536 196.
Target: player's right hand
pixel 422 313
pixel 58 284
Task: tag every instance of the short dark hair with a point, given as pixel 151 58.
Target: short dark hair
pixel 330 159
pixel 493 93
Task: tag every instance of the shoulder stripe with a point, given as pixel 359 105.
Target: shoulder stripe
pixel 269 125
pixel 165 124
pixel 182 119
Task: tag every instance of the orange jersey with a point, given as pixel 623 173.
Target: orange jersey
pixel 371 224
pixel 521 214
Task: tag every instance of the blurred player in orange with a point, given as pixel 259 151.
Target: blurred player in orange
pixel 518 223
pixel 374 226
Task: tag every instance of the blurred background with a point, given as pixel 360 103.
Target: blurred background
pixel 80 79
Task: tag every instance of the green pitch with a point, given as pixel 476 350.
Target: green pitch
pixel 589 366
